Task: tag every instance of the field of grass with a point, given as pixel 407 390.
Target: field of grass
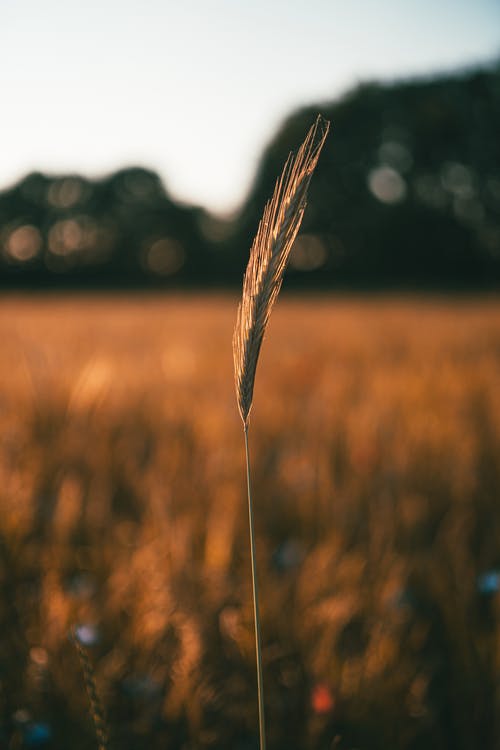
pixel 376 449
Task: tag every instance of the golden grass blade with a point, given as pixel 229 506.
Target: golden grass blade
pixel 268 258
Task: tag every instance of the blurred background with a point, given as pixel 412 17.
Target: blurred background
pixel 139 144
pixel 140 147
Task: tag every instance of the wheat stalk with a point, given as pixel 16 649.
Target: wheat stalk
pixel 261 284
pixel 268 258
pixel 96 710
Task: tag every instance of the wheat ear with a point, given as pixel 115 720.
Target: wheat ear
pixel 262 282
pixel 96 710
pixel 268 258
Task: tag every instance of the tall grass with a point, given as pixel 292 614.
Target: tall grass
pixel 375 443
pixel 263 278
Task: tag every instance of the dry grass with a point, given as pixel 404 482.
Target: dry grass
pixel 377 483
pixel 268 259
pixel 263 278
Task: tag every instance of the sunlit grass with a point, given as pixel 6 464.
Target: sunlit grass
pixel 376 486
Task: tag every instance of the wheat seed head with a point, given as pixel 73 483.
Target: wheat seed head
pixel 268 259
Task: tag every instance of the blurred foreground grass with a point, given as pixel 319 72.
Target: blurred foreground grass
pixel 376 443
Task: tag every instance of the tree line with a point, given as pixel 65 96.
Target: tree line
pixel 406 194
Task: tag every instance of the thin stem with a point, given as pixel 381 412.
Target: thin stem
pixel 258 649
pixel 96 710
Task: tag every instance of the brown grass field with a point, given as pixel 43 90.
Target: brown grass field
pixel 376 449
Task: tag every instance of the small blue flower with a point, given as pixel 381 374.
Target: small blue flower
pixel 37 734
pixel 489 582
pixel 88 635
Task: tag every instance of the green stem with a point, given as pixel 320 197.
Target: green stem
pixel 258 649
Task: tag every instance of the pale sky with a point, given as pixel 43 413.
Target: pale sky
pixel 196 88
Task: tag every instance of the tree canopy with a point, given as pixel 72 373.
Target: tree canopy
pixel 406 194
